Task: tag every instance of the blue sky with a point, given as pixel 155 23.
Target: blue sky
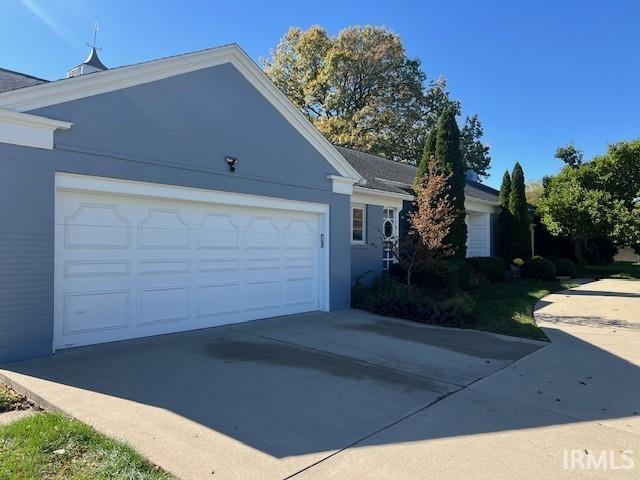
pixel 539 74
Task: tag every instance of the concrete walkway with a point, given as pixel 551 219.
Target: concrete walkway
pixel 581 393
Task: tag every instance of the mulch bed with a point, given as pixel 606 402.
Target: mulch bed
pixel 11 400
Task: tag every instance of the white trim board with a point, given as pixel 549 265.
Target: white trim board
pixel 477 205
pixel 29 130
pixel 46 94
pixel 87 183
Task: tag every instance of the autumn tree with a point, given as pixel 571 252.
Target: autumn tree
pixel 360 89
pixel 431 223
pixel 534 191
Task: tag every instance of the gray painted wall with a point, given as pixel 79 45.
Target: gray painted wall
pixel 173 131
pixel 366 260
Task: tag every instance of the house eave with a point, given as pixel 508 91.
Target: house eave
pixel 28 130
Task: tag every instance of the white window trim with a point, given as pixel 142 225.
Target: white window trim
pixel 396 226
pixel 363 207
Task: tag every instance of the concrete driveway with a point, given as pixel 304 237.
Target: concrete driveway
pixel 569 410
pixel 275 398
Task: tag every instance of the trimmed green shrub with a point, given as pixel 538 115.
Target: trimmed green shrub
pixel 444 275
pixel 538 268
pixel 490 267
pixel 564 267
pixel 387 296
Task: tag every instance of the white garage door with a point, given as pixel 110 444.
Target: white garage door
pixel 478 234
pixel 131 266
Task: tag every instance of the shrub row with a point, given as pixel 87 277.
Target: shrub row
pixel 451 275
pixel 387 296
pixel 491 268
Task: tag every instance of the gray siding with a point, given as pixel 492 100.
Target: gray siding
pixel 366 260
pixel 173 131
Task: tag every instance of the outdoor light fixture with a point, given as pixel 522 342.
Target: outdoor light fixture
pixel 231 162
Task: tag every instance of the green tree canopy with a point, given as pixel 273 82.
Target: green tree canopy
pixel 448 160
pixel 596 198
pixel 475 154
pixel 520 228
pixel 570 155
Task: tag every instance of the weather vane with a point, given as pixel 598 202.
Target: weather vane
pixel 95 34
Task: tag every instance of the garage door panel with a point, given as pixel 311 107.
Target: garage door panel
pixel 96 268
pixel 218 299
pixel 217 231
pixel 478 237
pixel 160 266
pixel 300 290
pixel 163 228
pixel 96 226
pixel 95 310
pixel 163 304
pixel 130 266
pixel 211 265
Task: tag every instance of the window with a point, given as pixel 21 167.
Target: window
pixel 358 222
pixel 389 233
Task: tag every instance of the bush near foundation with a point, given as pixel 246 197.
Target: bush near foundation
pixel 387 296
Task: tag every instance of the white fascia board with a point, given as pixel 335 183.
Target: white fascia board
pixel 88 183
pixel 29 130
pixel 341 185
pixel 370 196
pixel 46 94
pixel 483 206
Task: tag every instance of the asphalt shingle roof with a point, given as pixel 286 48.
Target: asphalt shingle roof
pixel 397 177
pixel 10 80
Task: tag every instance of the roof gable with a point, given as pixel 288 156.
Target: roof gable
pixel 61 91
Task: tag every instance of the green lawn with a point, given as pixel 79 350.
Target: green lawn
pixel 507 308
pixel 51 446
pixel 625 270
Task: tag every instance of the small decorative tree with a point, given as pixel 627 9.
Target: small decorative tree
pixel 520 229
pixel 431 223
pixel 504 220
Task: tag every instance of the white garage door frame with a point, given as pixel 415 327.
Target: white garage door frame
pixel 67 182
pixel 479 210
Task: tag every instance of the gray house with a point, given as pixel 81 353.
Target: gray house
pixel 178 194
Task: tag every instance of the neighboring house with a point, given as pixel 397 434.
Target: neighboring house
pixel 177 194
pixel 379 209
